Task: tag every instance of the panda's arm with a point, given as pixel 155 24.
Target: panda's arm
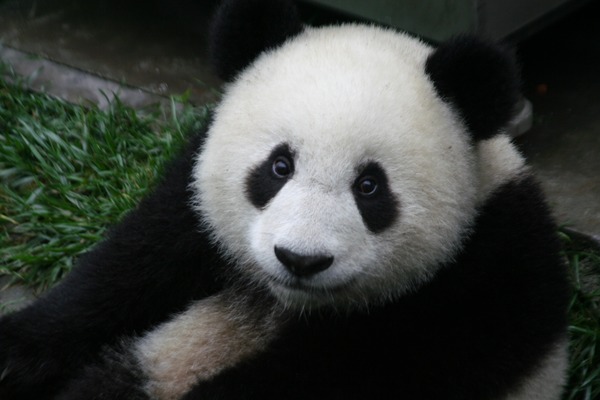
pixel 151 265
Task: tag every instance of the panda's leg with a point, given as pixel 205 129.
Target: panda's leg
pixel 210 336
pixel 548 380
pixel 151 265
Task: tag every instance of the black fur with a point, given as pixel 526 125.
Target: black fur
pixel 379 210
pixel 477 329
pixel 480 79
pixel 116 376
pixel 125 285
pixel 241 30
pixel 262 184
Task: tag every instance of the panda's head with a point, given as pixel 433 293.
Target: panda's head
pixel 340 167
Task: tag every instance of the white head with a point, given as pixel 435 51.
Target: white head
pixel 335 172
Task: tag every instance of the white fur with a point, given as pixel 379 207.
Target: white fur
pixel 498 162
pixel 548 381
pixel 339 96
pixel 210 336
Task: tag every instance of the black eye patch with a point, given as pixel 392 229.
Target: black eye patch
pixel 376 203
pixel 266 179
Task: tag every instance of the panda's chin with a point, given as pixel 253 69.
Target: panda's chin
pixel 297 284
pixel 298 293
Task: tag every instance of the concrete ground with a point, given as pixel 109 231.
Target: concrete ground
pixel 75 49
pixel 145 51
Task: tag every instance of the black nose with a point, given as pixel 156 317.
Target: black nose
pixel 302 265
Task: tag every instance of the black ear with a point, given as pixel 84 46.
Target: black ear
pixel 242 29
pixel 480 79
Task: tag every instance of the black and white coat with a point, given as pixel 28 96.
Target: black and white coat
pixel 352 224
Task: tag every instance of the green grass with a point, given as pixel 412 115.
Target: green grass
pixel 68 172
pixel 584 262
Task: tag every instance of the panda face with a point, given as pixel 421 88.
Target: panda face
pixel 333 173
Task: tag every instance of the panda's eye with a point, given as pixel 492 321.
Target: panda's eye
pixel 282 167
pixel 366 186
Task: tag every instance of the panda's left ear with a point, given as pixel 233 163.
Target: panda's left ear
pixel 480 79
pixel 242 29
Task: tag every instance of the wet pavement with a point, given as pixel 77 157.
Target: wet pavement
pixel 147 51
pixel 75 50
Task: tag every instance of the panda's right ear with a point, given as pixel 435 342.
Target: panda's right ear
pixel 242 29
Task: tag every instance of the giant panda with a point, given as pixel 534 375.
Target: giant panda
pixel 353 223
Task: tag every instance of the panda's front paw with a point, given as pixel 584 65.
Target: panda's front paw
pixel 115 375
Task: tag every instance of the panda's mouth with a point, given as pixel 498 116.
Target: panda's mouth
pixel 296 284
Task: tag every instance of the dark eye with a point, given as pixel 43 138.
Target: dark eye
pixel 367 186
pixel 282 167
